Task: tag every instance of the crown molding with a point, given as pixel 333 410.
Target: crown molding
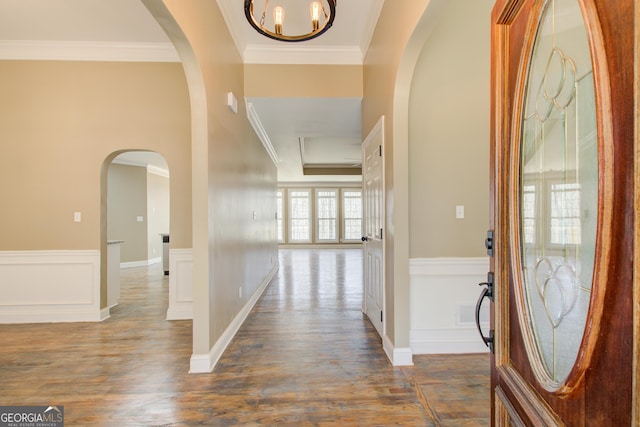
pixel 341 55
pixel 87 51
pixel 254 119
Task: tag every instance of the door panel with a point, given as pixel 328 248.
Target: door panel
pixel 562 212
pixel 373 194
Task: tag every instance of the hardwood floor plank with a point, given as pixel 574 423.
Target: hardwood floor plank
pixel 306 356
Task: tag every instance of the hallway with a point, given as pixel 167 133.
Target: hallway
pixel 305 356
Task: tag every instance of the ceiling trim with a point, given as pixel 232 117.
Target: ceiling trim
pixel 87 51
pixel 340 55
pixel 254 119
pixel 330 170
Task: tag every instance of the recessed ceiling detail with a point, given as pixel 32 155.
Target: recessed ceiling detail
pixel 330 156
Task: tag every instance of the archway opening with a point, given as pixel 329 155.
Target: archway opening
pixel 134 218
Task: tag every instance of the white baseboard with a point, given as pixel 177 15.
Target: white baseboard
pixel 50 286
pixel 397 356
pixel 143 263
pixel 443 293
pixel 204 363
pixel 447 341
pixel 180 284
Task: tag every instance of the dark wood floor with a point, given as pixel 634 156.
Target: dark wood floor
pixel 304 357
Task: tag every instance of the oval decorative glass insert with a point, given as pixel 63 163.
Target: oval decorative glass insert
pixel 558 188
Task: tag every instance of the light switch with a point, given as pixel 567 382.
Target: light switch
pixel 460 212
pixel 139 218
pixel 77 217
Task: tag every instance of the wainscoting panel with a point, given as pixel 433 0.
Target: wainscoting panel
pixel 443 293
pixel 49 286
pixel 180 284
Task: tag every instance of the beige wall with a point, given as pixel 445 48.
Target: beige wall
pixel 390 67
pixel 60 121
pixel 158 220
pixel 386 80
pixel 234 179
pixel 127 199
pixel 449 135
pixel 312 81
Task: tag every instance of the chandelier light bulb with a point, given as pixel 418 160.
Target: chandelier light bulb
pixel 278 18
pixel 322 13
pixel 315 15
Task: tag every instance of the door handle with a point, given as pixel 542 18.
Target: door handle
pixel 486 293
pixel 365 238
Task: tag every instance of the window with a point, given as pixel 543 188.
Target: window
pixel 529 214
pixel 299 216
pixel 352 214
pixel 319 215
pixel 327 215
pixel 565 214
pixel 279 210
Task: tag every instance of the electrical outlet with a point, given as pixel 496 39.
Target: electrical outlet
pixel 460 212
pixel 77 217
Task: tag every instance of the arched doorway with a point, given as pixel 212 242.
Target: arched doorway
pixel 135 217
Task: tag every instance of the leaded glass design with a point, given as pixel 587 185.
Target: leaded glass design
pixel 558 188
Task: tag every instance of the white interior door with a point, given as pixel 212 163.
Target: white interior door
pixel 373 218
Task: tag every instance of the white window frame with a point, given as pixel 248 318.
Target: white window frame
pixel 343 218
pixel 336 217
pixel 290 219
pixel 281 223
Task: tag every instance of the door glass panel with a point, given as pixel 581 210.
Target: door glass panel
pixel 558 194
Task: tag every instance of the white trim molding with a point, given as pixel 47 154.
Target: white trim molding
pixel 143 263
pixel 180 284
pixel 50 286
pixel 443 293
pixel 87 51
pixel 256 123
pixel 204 363
pixel 397 356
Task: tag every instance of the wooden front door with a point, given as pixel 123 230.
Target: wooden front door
pixel 563 212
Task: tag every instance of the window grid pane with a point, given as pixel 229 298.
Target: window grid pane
pixel 529 214
pixel 327 215
pixel 299 213
pixel 352 212
pixel 565 214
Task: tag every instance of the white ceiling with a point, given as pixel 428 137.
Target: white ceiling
pixel 124 30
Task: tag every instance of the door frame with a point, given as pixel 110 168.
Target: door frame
pixel 635 416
